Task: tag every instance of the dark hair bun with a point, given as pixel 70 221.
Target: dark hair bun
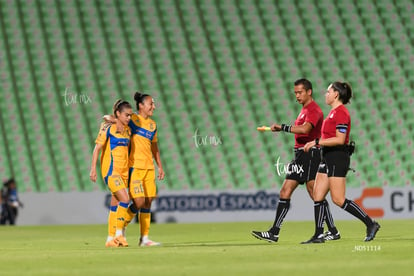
pixel 137 97
pixel 347 93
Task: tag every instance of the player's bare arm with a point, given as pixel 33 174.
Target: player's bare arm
pixel 95 155
pixel 156 154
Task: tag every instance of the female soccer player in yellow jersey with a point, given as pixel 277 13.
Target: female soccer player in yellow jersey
pixel 114 140
pixel 144 150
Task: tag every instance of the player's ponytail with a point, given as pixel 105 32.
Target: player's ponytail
pixel 139 98
pixel 344 90
pixel 119 105
pixel 348 92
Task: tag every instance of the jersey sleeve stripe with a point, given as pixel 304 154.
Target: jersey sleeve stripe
pixel 145 133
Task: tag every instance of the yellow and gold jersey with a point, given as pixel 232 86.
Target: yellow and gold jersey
pixel 114 157
pixel 144 132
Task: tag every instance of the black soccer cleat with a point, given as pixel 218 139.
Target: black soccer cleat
pixel 266 236
pixel 372 231
pixel 328 236
pixel 315 239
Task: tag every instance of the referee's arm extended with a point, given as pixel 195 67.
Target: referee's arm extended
pixel 302 129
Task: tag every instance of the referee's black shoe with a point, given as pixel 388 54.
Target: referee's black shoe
pixel 372 231
pixel 266 236
pixel 315 239
pixel 328 236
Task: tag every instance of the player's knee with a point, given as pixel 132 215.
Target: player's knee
pixel 139 202
pixel 338 201
pixel 285 192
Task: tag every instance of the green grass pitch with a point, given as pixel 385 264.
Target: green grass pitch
pixel 207 249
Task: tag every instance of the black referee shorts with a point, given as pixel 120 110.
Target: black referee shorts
pixel 305 165
pixel 335 163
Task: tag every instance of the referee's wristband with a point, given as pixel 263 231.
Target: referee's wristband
pixel 286 128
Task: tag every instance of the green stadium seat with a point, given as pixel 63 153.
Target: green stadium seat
pixel 222 67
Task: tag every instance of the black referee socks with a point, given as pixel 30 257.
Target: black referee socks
pixel 319 217
pixel 282 210
pixel 329 219
pixel 353 208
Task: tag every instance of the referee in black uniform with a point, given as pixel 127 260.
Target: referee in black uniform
pixel 303 168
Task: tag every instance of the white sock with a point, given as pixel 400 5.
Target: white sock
pixel 118 232
pixel 109 238
pixel 144 238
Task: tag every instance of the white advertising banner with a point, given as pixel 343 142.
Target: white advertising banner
pixel 260 205
pixel 211 206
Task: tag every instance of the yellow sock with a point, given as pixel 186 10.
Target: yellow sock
pixel 130 214
pixel 120 217
pixel 112 221
pixel 145 221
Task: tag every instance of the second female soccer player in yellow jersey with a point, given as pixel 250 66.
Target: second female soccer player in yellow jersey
pixel 113 140
pixel 144 150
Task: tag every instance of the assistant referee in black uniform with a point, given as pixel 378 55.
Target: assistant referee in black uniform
pixel 335 162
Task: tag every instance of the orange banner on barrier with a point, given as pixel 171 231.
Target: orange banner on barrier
pixel 367 193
